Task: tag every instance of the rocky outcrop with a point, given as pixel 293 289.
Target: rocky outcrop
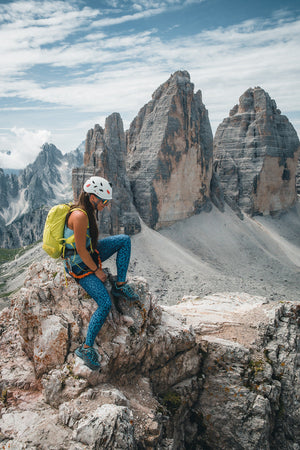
pixel 105 155
pixel 169 160
pixel 219 372
pixel 256 151
pixel 250 394
pixel 27 198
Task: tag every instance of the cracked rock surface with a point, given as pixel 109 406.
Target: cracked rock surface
pixel 221 371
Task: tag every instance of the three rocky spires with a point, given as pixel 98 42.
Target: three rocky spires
pixel 168 167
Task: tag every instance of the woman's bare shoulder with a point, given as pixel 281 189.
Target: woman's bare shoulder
pixel 78 217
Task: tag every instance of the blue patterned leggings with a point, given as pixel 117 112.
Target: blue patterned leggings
pixel 95 288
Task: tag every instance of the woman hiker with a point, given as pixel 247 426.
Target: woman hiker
pixel 83 260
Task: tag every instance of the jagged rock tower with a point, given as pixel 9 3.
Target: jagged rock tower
pixel 169 160
pixel 105 155
pixel 256 151
pixel 26 199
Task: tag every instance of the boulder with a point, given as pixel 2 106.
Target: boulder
pixel 110 426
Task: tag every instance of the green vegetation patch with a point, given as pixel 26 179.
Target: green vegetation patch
pixel 171 400
pixel 9 254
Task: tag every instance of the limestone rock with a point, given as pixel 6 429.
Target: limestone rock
pixel 105 155
pixel 51 347
pixel 251 364
pixel 110 426
pixel 256 152
pixel 34 428
pixel 215 372
pixel 169 159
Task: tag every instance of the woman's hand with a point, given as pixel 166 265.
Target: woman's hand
pixel 101 275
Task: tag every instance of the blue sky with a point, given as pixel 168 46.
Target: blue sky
pixel 67 65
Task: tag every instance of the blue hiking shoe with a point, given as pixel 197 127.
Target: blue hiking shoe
pixel 125 291
pixel 89 356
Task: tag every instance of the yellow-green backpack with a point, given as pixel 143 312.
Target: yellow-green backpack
pixel 53 236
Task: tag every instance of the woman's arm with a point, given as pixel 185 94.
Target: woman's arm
pixel 78 222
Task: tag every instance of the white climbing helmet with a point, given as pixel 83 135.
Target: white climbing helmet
pixel 98 186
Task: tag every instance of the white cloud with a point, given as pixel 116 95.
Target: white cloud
pixel 221 62
pixel 145 9
pixel 24 146
pixel 109 21
pixel 28 26
pixel 153 4
pixel 102 72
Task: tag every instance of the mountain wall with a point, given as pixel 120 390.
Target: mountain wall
pixel 256 152
pixel 27 198
pixel 105 155
pixel 169 159
pixel 215 372
pixel 9 187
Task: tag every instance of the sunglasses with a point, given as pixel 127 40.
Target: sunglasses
pixel 104 202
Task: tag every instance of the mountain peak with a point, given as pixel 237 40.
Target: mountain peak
pixel 256 100
pixel 170 138
pixel 181 75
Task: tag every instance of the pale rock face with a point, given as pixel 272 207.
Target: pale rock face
pixel 110 421
pixel 256 152
pixel 50 349
pixel 169 158
pixel 105 156
pixel 249 377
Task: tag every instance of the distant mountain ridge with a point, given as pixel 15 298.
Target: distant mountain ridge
pixel 26 198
